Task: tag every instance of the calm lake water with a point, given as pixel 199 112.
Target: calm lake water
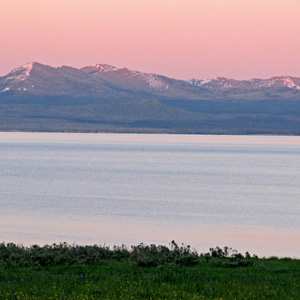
pixel 237 191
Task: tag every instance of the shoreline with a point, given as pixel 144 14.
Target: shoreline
pixel 148 132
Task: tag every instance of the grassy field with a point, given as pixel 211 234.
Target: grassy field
pixel 143 272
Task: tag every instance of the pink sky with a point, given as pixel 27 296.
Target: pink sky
pixel 179 38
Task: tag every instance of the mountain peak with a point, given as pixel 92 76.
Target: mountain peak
pixel 277 82
pixel 19 74
pixel 24 70
pixel 105 68
pixel 99 68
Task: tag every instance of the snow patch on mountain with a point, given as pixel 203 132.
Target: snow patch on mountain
pixel 283 81
pixel 5 90
pixel 276 82
pixel 151 79
pixel 214 82
pixel 20 73
pixel 105 68
pixel 198 82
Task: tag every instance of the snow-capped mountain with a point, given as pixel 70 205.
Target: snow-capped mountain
pixel 219 82
pixel 227 83
pixel 146 84
pixel 16 77
pixel 35 79
pixel 151 81
pixel 277 82
pixel 104 81
pixel 38 97
pixel 98 68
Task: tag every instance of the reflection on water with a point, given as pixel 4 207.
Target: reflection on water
pixel 240 191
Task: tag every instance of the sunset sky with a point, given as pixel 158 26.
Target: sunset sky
pixel 184 39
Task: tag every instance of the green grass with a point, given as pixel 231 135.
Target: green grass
pixel 143 272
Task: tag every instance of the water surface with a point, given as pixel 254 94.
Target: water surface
pixel 240 191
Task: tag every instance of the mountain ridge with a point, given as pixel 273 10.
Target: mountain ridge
pixel 107 81
pixel 104 98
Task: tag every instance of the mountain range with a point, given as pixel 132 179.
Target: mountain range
pixel 107 82
pixel 38 97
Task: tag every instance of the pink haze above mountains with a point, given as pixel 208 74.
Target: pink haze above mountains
pixel 183 39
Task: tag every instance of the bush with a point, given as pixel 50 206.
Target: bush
pixel 150 256
pixel 141 255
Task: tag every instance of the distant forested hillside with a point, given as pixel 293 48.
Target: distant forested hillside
pixel 150 115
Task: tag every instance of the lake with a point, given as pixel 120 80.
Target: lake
pixel 201 190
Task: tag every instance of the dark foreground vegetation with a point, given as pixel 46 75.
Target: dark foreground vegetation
pixel 143 272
